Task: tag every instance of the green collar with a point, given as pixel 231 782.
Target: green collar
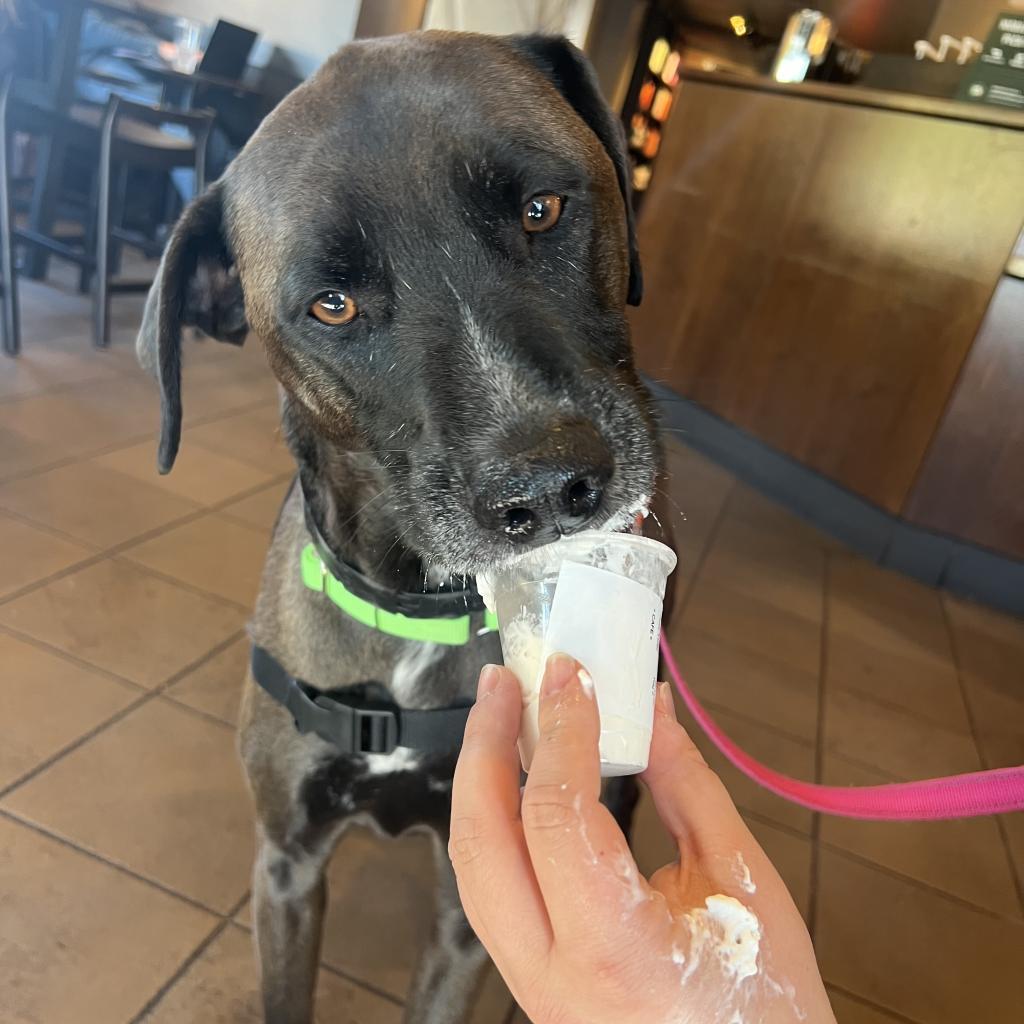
pixel 453 630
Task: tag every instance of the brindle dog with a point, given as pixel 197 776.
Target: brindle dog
pixel 433 240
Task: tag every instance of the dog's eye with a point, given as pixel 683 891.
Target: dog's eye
pixel 541 213
pixel 333 308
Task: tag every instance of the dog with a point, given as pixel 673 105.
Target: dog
pixel 433 240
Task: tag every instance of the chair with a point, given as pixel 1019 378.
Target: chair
pixel 122 135
pixel 128 137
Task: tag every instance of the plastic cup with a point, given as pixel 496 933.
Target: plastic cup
pixel 597 597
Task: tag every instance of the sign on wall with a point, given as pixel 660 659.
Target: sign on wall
pixel 997 76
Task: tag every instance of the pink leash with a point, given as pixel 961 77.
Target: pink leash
pixel 954 796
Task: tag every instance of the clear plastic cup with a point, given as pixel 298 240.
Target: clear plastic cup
pixel 597 597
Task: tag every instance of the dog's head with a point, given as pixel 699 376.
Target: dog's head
pixel 433 239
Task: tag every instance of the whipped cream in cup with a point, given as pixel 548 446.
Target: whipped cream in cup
pixel 596 596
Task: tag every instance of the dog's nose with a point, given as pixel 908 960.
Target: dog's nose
pixel 553 488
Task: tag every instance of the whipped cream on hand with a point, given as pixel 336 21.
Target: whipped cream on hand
pixel 553 892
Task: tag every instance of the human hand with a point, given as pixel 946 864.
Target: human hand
pixel 551 888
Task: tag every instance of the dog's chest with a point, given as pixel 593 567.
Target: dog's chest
pixel 406 788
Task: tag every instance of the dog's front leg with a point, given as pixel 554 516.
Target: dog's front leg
pixel 289 896
pixel 448 971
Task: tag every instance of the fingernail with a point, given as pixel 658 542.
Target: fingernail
pixel 489 677
pixel 559 671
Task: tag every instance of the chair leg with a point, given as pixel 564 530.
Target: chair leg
pixel 8 271
pixel 85 272
pixel 101 275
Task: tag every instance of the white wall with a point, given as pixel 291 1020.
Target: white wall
pixel 308 30
pixel 501 17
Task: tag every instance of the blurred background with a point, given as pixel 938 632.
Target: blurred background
pixel 830 210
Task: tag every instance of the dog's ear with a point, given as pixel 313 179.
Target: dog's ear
pixel 573 76
pixel 196 285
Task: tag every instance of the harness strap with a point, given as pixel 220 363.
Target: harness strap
pixel 355 719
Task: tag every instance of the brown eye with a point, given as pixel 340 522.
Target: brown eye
pixel 333 308
pixel 541 213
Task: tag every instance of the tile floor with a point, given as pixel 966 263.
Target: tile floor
pixel 125 831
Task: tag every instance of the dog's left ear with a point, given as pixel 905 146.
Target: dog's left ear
pixel 573 76
pixel 196 285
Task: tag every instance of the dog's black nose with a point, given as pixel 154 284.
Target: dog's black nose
pixel 552 488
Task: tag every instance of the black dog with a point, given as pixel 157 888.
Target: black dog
pixel 433 240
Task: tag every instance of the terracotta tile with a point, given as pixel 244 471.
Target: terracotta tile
pixel 20 454
pixel 773 749
pixel 897 742
pixel 749 684
pixel 378 940
pixel 222 986
pixel 215 554
pixel 915 952
pixel 46 702
pixel 928 689
pixel 215 687
pixel 199 475
pixel 791 856
pixel 216 387
pixel 178 813
pixel 260 510
pixel 965 858
pixel 790 578
pixel 31 554
pixel 775 521
pixel 990 650
pixel 887 610
pixel 361 937
pixel 754 626
pixel 84 418
pixel 853 1011
pixel 93 504
pixel 40 369
pixel 651 843
pixel 253 437
pixel 1014 826
pixel 126 621
pixel 82 942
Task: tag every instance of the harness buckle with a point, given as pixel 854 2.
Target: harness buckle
pixel 374 731
pixel 356 730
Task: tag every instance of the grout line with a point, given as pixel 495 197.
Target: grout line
pixel 101 859
pixel 760 723
pixel 134 439
pixel 182 969
pixel 709 541
pixel 27 638
pixel 972 721
pixel 206 716
pixel 902 710
pixel 917 883
pixel 763 819
pixel 338 972
pixel 819 752
pixel 143 698
pixel 895 1015
pixel 245 609
pixel 115 550
pixel 369 986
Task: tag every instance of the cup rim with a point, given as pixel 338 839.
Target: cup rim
pixel 586 539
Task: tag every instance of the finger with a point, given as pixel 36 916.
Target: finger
pixel 486 845
pixel 688 796
pixel 586 872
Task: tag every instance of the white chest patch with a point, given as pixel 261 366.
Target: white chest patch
pixel 409 670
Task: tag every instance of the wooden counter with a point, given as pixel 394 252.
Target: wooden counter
pixel 818 262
